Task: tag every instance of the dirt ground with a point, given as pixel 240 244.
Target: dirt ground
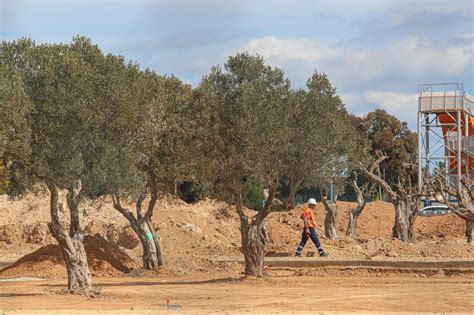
pixel 278 292
pixel 197 237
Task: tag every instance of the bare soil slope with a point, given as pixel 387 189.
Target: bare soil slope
pixel 104 259
pixel 194 235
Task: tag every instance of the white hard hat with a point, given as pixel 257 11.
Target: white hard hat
pixel 312 201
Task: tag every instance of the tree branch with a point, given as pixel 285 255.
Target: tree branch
pixel 262 214
pixel 58 232
pixel 139 203
pixel 118 206
pixel 73 198
pixel 370 173
pixel 239 209
pixel 380 158
pixel 462 208
pixel 153 194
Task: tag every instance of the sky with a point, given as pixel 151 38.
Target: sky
pixel 374 52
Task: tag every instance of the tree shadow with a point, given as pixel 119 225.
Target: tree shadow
pixel 9 295
pixel 159 283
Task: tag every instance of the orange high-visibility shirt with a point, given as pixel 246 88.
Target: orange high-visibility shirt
pixel 309 216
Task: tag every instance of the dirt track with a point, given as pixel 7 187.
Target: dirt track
pixel 278 292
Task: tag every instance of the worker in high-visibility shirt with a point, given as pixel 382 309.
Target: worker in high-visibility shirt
pixel 310 230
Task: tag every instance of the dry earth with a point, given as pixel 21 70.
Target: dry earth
pixel 279 292
pixel 196 235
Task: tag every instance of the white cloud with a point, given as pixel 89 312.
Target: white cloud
pixel 284 49
pixel 402 105
pixel 384 77
pixel 411 58
pixel 393 101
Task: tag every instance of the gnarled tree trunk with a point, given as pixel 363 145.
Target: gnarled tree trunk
pixel 355 213
pixel 406 210
pixel 294 187
pixel 255 237
pixel 352 223
pixel 151 244
pixel 404 200
pixel 290 201
pixel 153 256
pixel 353 217
pixel 72 243
pixel 330 230
pixel 254 242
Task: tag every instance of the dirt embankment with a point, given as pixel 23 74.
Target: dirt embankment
pixel 104 259
pixel 193 235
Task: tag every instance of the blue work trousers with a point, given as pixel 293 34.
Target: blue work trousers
pixel 304 239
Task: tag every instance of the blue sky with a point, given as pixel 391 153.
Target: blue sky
pixel 375 52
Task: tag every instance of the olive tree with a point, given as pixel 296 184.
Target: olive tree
pixel 403 195
pixel 62 86
pixel 323 145
pixel 318 129
pixel 393 169
pixel 147 147
pixel 360 183
pixel 247 135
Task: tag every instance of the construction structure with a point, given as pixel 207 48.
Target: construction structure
pixel 445 135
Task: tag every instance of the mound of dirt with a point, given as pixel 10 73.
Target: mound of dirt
pixel 377 219
pixel 194 235
pixel 104 258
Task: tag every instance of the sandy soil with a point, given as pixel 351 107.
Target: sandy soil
pixel 194 235
pixel 278 292
pixel 194 282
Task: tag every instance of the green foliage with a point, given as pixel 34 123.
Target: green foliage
pixel 70 112
pixel 64 84
pixel 15 130
pixel 245 107
pixel 252 195
pixel 325 143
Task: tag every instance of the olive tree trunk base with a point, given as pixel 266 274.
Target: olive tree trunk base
pixel 72 242
pixel 153 257
pixel 470 232
pixel 330 230
pixel 352 224
pixel 254 241
pixel 78 274
pixel 406 211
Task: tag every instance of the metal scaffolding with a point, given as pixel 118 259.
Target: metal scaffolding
pixel 445 134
